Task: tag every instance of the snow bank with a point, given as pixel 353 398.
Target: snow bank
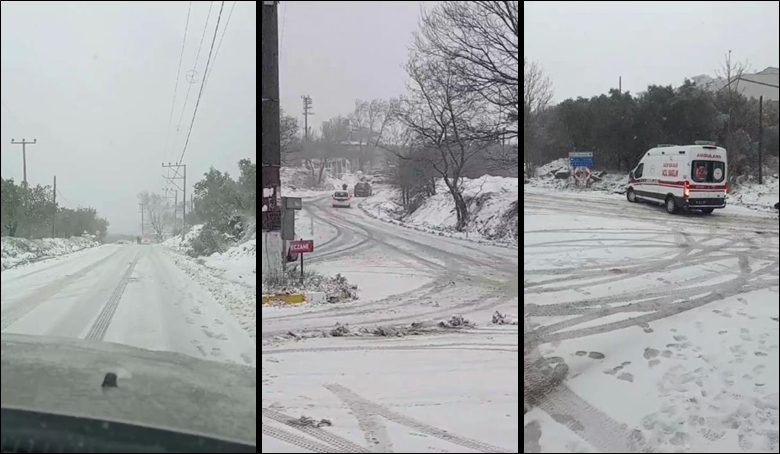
pixel 230 277
pixel 237 264
pixel 492 203
pixel 748 193
pixel 17 251
pixel 762 197
pixel 556 175
pixel 238 296
pixel 301 182
pixel 183 243
pixel 335 289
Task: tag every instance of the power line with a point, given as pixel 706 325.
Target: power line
pixel 176 87
pixel 224 30
pixel 200 94
pixel 13 116
pixel 62 196
pixel 197 57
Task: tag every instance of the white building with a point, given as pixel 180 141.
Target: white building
pixel 764 83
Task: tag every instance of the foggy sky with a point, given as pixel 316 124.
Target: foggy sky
pixel 94 82
pixel 337 52
pixel 584 47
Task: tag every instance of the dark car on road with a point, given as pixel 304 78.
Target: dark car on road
pixel 363 189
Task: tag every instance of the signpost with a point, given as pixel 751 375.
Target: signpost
pixel 289 205
pixel 581 162
pixel 300 247
pixel 582 174
pixel 581 159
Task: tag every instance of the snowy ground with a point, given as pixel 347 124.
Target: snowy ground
pixel 748 194
pixel 19 251
pixel 147 296
pixel 230 277
pixel 492 203
pixel 418 363
pixel 645 332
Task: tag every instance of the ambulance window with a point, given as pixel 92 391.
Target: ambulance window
pixel 718 171
pixel 638 171
pixel 708 171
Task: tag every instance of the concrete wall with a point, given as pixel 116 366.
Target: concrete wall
pixel 270 251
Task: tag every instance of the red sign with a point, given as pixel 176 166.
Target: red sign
pixel 300 246
pixel 582 173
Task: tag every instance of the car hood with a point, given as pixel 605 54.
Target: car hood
pixel 154 389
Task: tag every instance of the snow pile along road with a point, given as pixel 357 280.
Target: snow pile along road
pixel 16 251
pixel 302 182
pixel 556 176
pixel 230 276
pixel 757 196
pixel 492 204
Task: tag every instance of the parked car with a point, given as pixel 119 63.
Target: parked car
pixel 363 189
pixel 341 199
pixel 690 177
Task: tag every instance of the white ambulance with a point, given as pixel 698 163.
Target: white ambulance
pixel 689 177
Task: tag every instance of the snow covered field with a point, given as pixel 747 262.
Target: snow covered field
pixel 646 332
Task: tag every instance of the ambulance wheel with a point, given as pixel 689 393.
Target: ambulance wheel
pixel 707 210
pixel 631 195
pixel 671 205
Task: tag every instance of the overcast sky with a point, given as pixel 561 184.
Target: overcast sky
pixel 584 47
pixel 93 82
pixel 338 52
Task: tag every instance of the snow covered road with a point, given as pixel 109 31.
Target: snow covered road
pixel 129 294
pixel 648 332
pixel 439 390
pixel 403 275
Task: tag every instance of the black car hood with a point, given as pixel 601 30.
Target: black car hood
pixel 155 389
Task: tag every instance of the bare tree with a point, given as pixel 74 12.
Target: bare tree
pixel 447 123
pixel 290 141
pixel 319 150
pixel 736 143
pixel 158 210
pixel 480 40
pixel 368 122
pixel 537 96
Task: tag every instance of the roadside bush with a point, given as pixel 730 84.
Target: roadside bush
pixel 208 241
pixel 289 280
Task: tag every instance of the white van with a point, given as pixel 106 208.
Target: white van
pixel 691 177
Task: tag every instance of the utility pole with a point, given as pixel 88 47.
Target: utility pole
pixel 54 206
pixel 142 219
pixel 760 139
pixel 271 213
pixel 182 188
pixel 175 207
pixel 175 202
pixel 24 144
pixel 269 85
pixel 306 112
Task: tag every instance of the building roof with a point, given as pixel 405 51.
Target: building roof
pixel 764 83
